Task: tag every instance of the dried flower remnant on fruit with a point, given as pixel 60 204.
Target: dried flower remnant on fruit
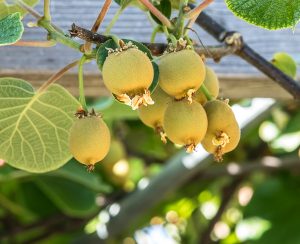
pixel 153 116
pixel 220 140
pixel 223 132
pixel 128 73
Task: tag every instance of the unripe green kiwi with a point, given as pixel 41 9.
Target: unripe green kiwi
pixel 128 72
pixel 115 164
pixel 185 123
pixel 223 132
pixel 211 82
pixel 89 140
pixel 153 116
pixel 181 72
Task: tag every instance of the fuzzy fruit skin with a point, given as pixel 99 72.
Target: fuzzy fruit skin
pixel 115 154
pixel 89 140
pixel 181 71
pixel 128 72
pixel 153 115
pixel 211 82
pixel 185 123
pixel 220 118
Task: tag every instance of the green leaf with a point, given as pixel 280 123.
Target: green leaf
pixel 285 63
pixel 269 14
pixel 277 200
pixel 6 9
pixel 101 103
pixel 118 111
pixel 71 198
pixel 76 172
pixel 11 29
pixel 102 51
pixel 34 127
pixel 164 6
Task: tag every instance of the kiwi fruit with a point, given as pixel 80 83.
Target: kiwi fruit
pixel 185 123
pixel 211 82
pixel 223 132
pixel 128 74
pixel 153 116
pixel 181 73
pixel 89 140
pixel 115 165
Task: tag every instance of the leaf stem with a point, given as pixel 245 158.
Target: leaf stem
pixel 163 19
pixel 81 83
pixel 59 37
pixel 206 92
pixel 154 33
pixel 113 21
pixel 194 13
pixel 180 20
pixel 47 15
pixel 54 32
pixel 29 9
pixel 50 43
pixel 57 76
pixel 98 22
pixel 116 39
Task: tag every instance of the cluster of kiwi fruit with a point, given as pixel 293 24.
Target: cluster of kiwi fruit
pixel 177 109
pixel 182 112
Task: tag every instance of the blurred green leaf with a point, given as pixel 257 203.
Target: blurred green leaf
pixel 277 200
pixel 6 9
pixel 71 198
pixel 285 63
pixel 118 111
pixel 77 173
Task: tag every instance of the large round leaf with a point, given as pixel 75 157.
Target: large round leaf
pixel 34 127
pixel 11 29
pixel 269 14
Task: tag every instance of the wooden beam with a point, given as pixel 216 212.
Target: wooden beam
pixel 233 87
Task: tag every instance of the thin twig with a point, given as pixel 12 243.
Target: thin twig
pixel 57 76
pixel 249 55
pixel 163 19
pixel 99 20
pixel 227 195
pixel 35 44
pixel 215 52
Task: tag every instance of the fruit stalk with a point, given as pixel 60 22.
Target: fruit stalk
pixel 47 15
pixel 57 76
pixel 81 83
pixel 98 21
pixel 207 94
pixel 54 32
pixel 35 43
pixel 113 21
pixel 180 21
